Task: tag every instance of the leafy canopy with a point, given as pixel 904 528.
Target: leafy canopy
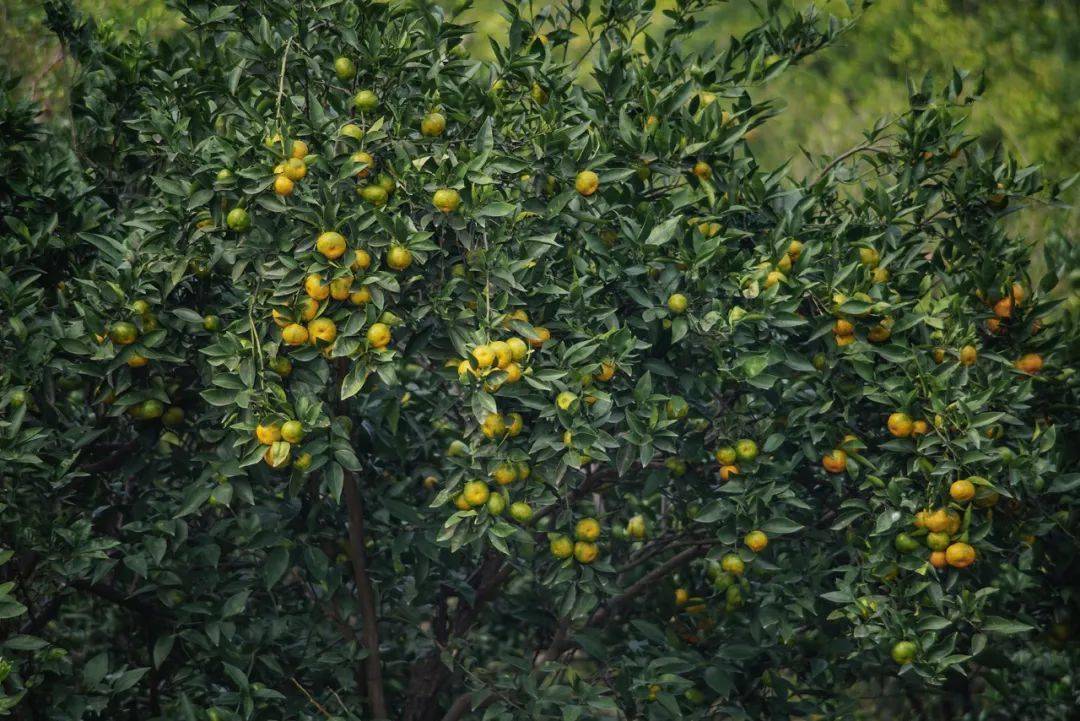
pixel 351 377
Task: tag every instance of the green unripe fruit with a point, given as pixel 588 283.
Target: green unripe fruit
pixel 366 101
pixel 344 68
pixel 238 220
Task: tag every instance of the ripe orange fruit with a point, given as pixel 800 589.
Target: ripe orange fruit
pixel 938 560
pixel 277 460
pixel 503 354
pixel 968 355
pixel 517 423
pixel 586 182
pixel 962 490
pixel 446 199
pixel 939 355
pixel 900 424
pixel 505 474
pixel 561 547
pixel 295 169
pixel 726 472
pixel 843 327
pixel 484 356
pixel 681 596
pixel 294 334
pixel 869 257
pixel 702 170
pixel 268 434
pixel 585 552
pixel 361 260
pixel 936 521
pixel 960 555
pixel 361 296
pixel 341 288
pixel 299 149
pixel 587 529
pixel 606 372
pixel 543 335
pixel 1003 308
pixel 920 427
pixel 309 308
pixel 756 541
pixel 315 288
pixel 518 348
pixel 476 493
pixel 365 159
pixel 399 257
pixel 513 373
pixel 378 335
pixel 493 425
pixel 835 461
pixel 331 245
pixel 322 329
pixel 1030 363
pixel 282 185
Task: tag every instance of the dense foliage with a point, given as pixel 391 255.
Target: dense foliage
pixel 348 376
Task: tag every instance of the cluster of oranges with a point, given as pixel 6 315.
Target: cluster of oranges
pixel 279 439
pixel 582 546
pixel 778 272
pixel 292 169
pixel 745 450
pixel 332 245
pixel 506 356
pixel 948 546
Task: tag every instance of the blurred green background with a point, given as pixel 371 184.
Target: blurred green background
pixel 1029 50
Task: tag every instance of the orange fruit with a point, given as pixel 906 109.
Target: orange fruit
pixel 282 185
pixel 587 529
pixel 543 335
pixel 378 335
pixel 968 355
pixel 341 288
pixel 1030 363
pixel 361 260
pixel 446 199
pixel 585 552
pixel 294 334
pixel 835 461
pixel 756 541
pixel 586 182
pixel 843 327
pixel 268 434
pixel 960 555
pixel 295 169
pixel 364 158
pixel 938 560
pixel 331 245
pixel 726 472
pixel 900 424
pixel 399 257
pixel 322 329
pixel 315 288
pixel 962 490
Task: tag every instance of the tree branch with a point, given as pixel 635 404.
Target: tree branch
pixel 366 596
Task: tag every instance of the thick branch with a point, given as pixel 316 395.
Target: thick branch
pixel 369 620
pixel 602 614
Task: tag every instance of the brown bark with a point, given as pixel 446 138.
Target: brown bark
pixel 369 629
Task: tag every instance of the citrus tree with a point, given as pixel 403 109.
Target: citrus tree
pixel 349 377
